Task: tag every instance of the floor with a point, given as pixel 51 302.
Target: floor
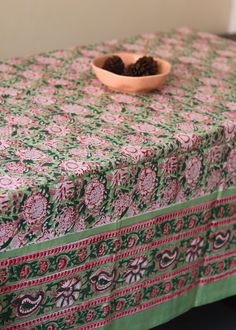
pixel 218 316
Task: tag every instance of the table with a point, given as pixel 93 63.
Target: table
pixel 117 211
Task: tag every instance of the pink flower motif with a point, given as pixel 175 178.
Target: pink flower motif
pixel 90 315
pixel 195 249
pixel 11 182
pixel 24 272
pixel 48 60
pixel 181 283
pixel 137 296
pixel 68 292
pixel 229 130
pixel 121 204
pixel 167 287
pixel 91 139
pixel 79 152
pixel 60 119
pixel 179 224
pixel 220 266
pixel 111 118
pixel 19 120
pixel 186 127
pixel 46 235
pixel 4 144
pixel 3 275
pixel 101 249
pixel 119 305
pixel 171 191
pixel 208 270
pixel 61 54
pixel 64 190
pixel 136 153
pixel 70 319
pixel 146 181
pixel 192 222
pixel 30 154
pixel 75 167
pixel 47 90
pixel 215 154
pixel 61 264
pixel 94 194
pixel 119 176
pixel 131 241
pixel 93 90
pixel 43 100
pixel 208 98
pixel 231 105
pixel 16 167
pixel 7 231
pixel 154 293
pixel 74 108
pixel 66 220
pixel 146 128
pixel 33 75
pixel 6 68
pixel 189 60
pixel 218 65
pixel 4 199
pixel 8 91
pixel 197 117
pixel 116 245
pixel 136 269
pixel 231 161
pixel 58 81
pixel 114 107
pixel 5 131
pixel 124 98
pixel 186 140
pixel 57 130
pixel 193 170
pixel 35 208
pixel 211 81
pixel 231 115
pixel 103 220
pixel 166 229
pixel 43 266
pixel 80 225
pixel 106 309
pixel 82 254
pixel 214 180
pixel 79 66
pixel 170 165
pixel 149 234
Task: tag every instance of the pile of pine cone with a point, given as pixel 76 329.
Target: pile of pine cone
pixel 144 66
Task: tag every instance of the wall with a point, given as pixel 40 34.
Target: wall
pixel 232 22
pixel 30 26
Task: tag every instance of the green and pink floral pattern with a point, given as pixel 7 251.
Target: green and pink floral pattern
pixel 111 204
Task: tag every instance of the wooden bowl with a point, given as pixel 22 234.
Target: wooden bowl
pixel 130 84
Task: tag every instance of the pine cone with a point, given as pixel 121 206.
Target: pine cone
pixel 114 64
pixel 144 66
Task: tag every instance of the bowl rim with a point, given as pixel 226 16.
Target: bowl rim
pixel 130 77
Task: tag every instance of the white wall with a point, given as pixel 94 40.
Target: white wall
pixel 29 26
pixel 232 22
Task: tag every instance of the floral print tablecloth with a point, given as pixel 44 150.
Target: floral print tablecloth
pixel 115 209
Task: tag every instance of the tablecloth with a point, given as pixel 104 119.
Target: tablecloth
pixel 116 210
